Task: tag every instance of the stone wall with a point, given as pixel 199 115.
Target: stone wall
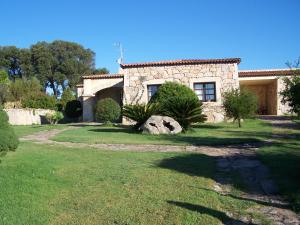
pixel 224 75
pixel 27 116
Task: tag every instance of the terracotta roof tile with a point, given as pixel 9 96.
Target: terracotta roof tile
pixel 259 73
pixel 103 76
pixel 181 62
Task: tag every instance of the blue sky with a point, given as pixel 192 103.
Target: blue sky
pixel 264 33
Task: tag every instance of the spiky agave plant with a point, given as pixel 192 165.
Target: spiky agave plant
pixel 185 111
pixel 140 112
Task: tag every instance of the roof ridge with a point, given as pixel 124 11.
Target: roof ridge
pixel 270 70
pixel 114 75
pixel 181 62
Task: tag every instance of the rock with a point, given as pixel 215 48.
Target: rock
pixel 161 125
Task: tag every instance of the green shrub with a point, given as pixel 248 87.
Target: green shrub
pixel 9 140
pixel 39 101
pixel 172 89
pixel 66 97
pixel 240 104
pixel 179 102
pixel 53 118
pixel 3 77
pixel 23 88
pixel 4 93
pixel 73 109
pixel 291 93
pixel 140 112
pixel 107 110
pixel 185 110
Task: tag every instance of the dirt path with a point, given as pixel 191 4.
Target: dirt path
pixel 239 159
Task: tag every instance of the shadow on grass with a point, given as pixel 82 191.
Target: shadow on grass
pixel 199 165
pixel 114 130
pixel 211 212
pixel 208 141
pixel 284 162
pixel 184 139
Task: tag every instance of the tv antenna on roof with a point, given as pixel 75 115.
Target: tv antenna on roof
pixel 121 59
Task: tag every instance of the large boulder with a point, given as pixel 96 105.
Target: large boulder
pixel 161 125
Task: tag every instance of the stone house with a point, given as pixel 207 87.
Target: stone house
pixel 209 78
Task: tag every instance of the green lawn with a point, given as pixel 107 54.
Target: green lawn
pixel 204 134
pixel 283 158
pixel 43 184
pixel 26 130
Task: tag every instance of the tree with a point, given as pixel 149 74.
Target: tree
pixel 4 91
pixel 101 71
pixel 17 62
pixel 56 62
pixel 291 93
pixel 239 104
pixel 66 97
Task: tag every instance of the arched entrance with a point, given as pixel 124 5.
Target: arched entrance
pixel 98 87
pixel 116 93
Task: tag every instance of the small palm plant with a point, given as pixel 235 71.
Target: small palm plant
pixel 184 110
pixel 140 112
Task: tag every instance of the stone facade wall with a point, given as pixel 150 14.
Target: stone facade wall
pixel 224 75
pixel 27 116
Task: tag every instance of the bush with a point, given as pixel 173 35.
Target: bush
pixel 173 89
pixel 239 104
pixel 53 118
pixel 185 110
pixel 66 97
pixel 179 102
pixel 140 113
pixel 291 93
pixel 107 110
pixel 39 101
pixel 4 93
pixel 9 140
pixel 23 88
pixel 73 109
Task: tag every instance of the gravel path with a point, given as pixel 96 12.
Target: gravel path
pixel 239 159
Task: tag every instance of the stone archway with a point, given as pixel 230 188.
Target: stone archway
pixel 116 93
pixel 97 87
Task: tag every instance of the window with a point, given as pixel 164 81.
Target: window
pixel 206 92
pixel 152 89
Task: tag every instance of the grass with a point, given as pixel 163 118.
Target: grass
pixel 203 134
pixel 26 130
pixel 43 184
pixel 283 158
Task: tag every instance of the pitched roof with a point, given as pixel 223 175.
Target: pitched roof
pixel 103 76
pixel 261 73
pixel 181 62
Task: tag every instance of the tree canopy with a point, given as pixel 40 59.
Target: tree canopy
pixel 17 62
pixel 56 64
